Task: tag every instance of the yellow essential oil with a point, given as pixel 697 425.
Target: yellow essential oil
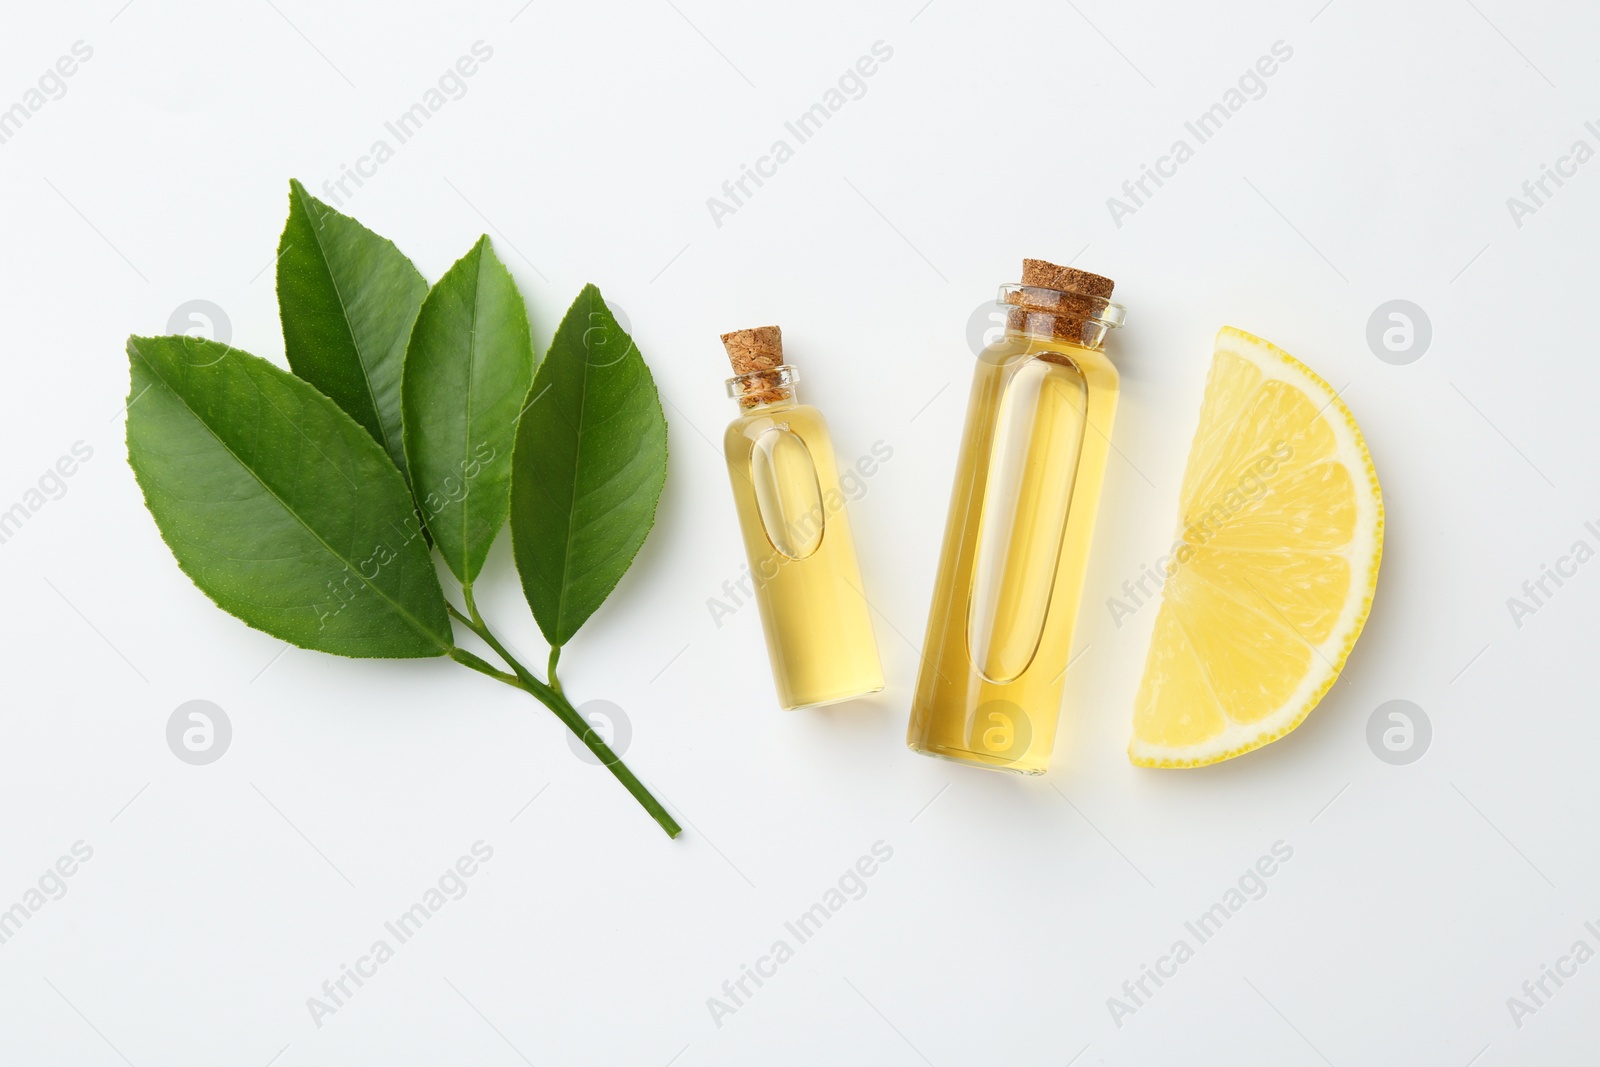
pixel 803 565
pixel 1016 544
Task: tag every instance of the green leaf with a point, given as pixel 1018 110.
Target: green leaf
pixel 467 373
pixel 278 505
pixel 347 298
pixel 590 461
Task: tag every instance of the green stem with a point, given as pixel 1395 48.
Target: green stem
pixel 550 670
pixel 563 709
pixel 482 666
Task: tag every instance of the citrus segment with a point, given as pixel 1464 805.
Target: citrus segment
pixel 1272 577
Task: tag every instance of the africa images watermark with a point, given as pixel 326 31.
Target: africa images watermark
pixel 1538 590
pixel 1537 192
pixel 50 486
pixel 452 490
pixel 1252 486
pixel 451 885
pixel 1251 885
pixel 451 85
pixel 1537 992
pixel 737 592
pixel 199 732
pixel 1251 85
pixel 51 885
pixel 51 85
pixel 851 85
pixel 851 885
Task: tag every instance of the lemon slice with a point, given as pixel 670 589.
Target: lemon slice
pixel 1272 575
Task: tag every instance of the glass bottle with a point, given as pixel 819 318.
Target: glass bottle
pixel 796 533
pixel 1016 543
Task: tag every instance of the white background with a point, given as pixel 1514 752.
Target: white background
pixel 1376 166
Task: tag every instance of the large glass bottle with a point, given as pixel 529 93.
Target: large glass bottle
pixel 1016 544
pixel 796 533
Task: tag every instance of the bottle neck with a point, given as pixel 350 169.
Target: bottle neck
pixel 765 388
pixel 1039 314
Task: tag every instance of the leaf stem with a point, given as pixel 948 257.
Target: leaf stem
pixel 563 709
pixel 467 659
pixel 550 670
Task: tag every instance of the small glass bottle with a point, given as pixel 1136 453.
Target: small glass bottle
pixel 1016 544
pixel 796 533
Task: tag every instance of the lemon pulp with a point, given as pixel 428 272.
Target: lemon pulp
pixel 1272 576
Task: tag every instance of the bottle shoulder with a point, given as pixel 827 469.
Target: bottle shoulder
pixel 801 419
pixel 1010 353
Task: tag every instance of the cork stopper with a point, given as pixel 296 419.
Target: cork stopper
pixel 1040 274
pixel 757 349
pixel 1062 301
pixel 758 353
